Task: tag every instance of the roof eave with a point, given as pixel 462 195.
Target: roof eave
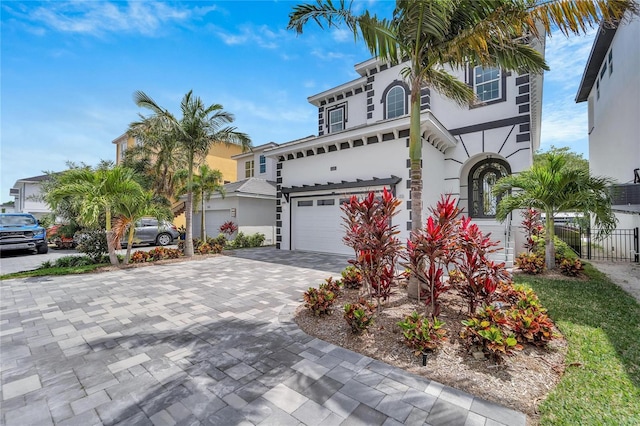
pixel 598 53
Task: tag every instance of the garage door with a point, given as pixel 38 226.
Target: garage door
pixel 213 218
pixel 317 225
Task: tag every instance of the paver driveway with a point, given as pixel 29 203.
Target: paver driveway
pixel 202 342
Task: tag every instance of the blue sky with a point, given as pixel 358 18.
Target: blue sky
pixel 69 70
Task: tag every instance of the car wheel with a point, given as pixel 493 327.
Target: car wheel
pixel 43 249
pixel 163 239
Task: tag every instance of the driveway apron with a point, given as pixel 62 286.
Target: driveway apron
pixel 208 342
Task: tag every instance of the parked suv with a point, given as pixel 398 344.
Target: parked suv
pixel 150 231
pixel 21 231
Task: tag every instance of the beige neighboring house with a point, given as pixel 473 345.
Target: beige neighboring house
pixel 28 196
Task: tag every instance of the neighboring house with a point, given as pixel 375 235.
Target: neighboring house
pixel 362 146
pixel 611 86
pixel 249 203
pixel 28 196
pixel 8 207
pixel 256 164
pixel 219 158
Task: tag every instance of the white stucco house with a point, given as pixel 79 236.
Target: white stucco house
pixel 611 86
pixel 249 203
pixel 28 196
pixel 255 163
pixel 362 145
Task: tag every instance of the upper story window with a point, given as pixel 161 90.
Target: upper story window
pixel 336 119
pixel 138 141
pixel 486 83
pixel 610 62
pixel 248 169
pixel 123 149
pixel 263 164
pixel 395 102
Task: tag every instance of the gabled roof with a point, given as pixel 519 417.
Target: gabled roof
pixel 40 178
pixel 251 186
pixel 255 150
pixel 596 57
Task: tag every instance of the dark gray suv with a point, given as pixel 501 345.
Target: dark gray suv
pixel 149 231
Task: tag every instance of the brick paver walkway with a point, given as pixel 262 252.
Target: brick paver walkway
pixel 207 342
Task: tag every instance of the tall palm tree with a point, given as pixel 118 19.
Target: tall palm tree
pixel 131 207
pixel 205 183
pixel 94 192
pixel 433 34
pixel 552 187
pixel 158 157
pixel 196 131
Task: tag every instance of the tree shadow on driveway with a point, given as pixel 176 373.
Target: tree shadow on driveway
pixel 302 259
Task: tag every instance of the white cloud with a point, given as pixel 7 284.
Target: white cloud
pixel 564 123
pixel 341 35
pixel 567 56
pixel 261 36
pixel 100 18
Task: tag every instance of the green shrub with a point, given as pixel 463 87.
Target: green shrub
pixel 420 334
pixel 244 241
pixel 489 329
pixel 331 285
pixel 68 262
pixel 93 244
pixel 359 315
pixel 530 263
pixel 571 268
pixel 319 300
pixel 351 277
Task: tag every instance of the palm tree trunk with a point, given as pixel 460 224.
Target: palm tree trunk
pixel 113 257
pixel 127 256
pixel 415 155
pixel 549 245
pixel 202 220
pixel 188 214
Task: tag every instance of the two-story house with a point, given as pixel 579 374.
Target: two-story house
pixel 27 193
pixel 611 86
pixel 250 202
pixel 362 145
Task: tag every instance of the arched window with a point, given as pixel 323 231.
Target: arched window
pixel 396 102
pixel 482 178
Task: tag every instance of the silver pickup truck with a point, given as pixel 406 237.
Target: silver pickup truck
pixel 21 231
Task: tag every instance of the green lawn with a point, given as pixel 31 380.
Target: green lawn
pixel 601 384
pixel 41 272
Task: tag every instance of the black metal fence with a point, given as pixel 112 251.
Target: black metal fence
pixel 620 245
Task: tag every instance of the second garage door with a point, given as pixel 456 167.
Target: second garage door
pixel 317 225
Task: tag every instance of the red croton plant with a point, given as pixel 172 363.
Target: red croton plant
pixel 455 244
pixel 373 238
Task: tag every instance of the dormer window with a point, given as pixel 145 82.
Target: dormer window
pixel 336 119
pixel 396 102
pixel 263 164
pixel 486 83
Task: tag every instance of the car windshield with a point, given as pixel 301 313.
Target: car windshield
pixel 16 220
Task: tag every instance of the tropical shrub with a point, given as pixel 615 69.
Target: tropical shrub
pixel 319 300
pixel 244 241
pixel 228 228
pixel 373 238
pixel 420 334
pixel 480 276
pixel 431 250
pixel 158 253
pixel 532 226
pixel 351 277
pixel 530 263
pixel 68 262
pixel 331 285
pixel 489 329
pixel 359 315
pixel 92 243
pixel 571 268
pixel 531 325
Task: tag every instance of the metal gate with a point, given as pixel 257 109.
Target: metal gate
pixel 620 245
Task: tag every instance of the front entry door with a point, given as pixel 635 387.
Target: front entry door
pixel 483 178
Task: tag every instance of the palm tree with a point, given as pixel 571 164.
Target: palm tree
pixel 196 131
pixel 158 157
pixel 94 192
pixel 431 35
pixel 131 207
pixel 551 186
pixel 205 183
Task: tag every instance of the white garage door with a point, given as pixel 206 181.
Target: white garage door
pixel 317 225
